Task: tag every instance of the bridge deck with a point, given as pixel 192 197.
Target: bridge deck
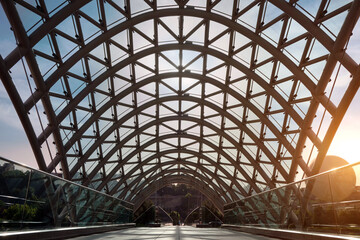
pixel 174 233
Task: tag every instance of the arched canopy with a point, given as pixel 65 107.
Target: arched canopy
pixel 180 179
pixel 130 96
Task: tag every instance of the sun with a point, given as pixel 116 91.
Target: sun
pixel 346 143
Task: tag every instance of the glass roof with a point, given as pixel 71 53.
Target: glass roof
pixel 126 96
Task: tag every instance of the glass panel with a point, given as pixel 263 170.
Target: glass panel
pixel 327 202
pixel 30 199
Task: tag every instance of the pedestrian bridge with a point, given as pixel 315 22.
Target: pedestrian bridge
pixel 174 233
pixel 240 100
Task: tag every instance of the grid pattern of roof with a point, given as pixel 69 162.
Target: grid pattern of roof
pixel 220 94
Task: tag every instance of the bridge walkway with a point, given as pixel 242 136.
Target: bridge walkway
pixel 174 233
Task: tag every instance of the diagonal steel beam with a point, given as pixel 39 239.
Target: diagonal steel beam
pixel 140 185
pixel 191 152
pixel 186 136
pixel 43 30
pixel 277 53
pixel 241 99
pixel 185 179
pixel 172 98
pixel 23 42
pixel 23 115
pixel 192 173
pixel 315 30
pixel 336 51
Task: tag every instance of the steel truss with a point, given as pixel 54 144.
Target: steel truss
pixel 141 94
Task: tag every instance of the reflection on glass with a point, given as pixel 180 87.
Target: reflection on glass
pixel 30 199
pixel 328 202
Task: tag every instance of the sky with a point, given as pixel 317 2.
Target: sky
pixel 15 146
pixel 347 139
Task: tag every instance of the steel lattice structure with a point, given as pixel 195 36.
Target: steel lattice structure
pixel 219 94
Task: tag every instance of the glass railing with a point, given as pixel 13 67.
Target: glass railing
pixel 328 202
pixel 32 199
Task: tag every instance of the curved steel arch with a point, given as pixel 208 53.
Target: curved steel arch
pixel 189 172
pixel 23 116
pixel 164 119
pixel 133 88
pixel 337 50
pixel 169 75
pixel 90 87
pixel 74 5
pixel 194 137
pixel 146 105
pixel 300 74
pixel 336 54
pixel 167 47
pixel 319 34
pixel 188 98
pixel 160 176
pixel 138 183
pixel 146 52
pixel 184 179
pixel 23 41
pixel 44 29
pixel 179 12
pixel 140 130
pixel 194 153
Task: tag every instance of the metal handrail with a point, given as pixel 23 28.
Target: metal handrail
pixel 296 182
pixel 65 180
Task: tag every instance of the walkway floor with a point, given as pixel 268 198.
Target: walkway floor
pixel 174 233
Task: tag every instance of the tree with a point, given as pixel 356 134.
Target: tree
pixel 175 217
pixel 19 212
